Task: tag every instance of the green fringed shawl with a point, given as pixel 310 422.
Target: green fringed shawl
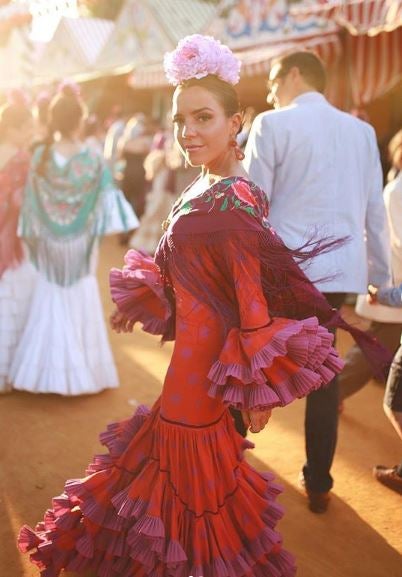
pixel 64 214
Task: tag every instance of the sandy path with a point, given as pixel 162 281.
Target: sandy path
pixel 46 439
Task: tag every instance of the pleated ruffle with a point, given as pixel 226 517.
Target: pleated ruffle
pixel 274 365
pixel 138 292
pixel 167 500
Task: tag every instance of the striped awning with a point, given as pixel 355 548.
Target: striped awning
pixel 255 60
pixel 375 64
pixel 369 17
pixel 373 45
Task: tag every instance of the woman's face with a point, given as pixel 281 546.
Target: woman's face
pixel 201 127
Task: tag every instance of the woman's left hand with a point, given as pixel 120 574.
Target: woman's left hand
pixel 120 323
pixel 256 420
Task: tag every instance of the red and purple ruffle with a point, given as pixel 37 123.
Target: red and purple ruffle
pixel 274 365
pixel 137 292
pixel 165 502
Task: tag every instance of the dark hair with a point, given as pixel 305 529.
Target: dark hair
pixel 222 90
pixel 13 114
pixel 309 65
pixel 65 113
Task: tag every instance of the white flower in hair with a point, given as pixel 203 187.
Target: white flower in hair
pixel 197 56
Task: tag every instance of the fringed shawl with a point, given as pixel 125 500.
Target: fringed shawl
pixel 64 213
pixel 227 227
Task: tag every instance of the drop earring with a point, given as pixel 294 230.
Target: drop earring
pixel 239 154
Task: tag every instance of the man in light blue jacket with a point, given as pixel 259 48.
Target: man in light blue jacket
pixel 321 172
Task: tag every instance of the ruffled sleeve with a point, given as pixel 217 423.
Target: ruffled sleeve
pixel 268 362
pixel 137 291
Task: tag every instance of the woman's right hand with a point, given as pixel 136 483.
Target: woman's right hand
pixel 120 323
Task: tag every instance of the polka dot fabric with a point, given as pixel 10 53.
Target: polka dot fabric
pixel 173 496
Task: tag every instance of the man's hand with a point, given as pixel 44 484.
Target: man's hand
pixel 372 294
pixel 256 421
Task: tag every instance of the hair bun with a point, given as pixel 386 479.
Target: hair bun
pixel 69 89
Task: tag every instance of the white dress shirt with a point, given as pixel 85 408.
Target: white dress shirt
pixel 320 169
pixel 393 204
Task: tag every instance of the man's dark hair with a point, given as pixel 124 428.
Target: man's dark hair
pixel 309 65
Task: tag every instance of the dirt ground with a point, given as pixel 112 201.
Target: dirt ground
pixel 46 439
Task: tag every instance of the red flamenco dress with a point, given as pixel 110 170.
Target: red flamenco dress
pixel 173 496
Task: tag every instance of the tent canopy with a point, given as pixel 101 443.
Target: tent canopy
pixel 73 50
pixel 258 32
pixel 261 31
pixel 146 29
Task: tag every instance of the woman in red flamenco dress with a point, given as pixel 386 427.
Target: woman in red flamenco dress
pixel 173 497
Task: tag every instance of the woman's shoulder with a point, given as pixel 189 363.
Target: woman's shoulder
pixel 238 193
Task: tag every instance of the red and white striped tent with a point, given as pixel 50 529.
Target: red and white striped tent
pixel 371 43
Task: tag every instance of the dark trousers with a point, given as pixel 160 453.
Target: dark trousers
pixel 393 390
pixel 321 426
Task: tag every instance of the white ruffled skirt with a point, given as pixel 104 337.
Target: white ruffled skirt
pixel 64 347
pixel 16 289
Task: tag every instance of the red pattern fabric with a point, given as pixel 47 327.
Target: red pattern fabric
pixel 173 497
pixel 12 180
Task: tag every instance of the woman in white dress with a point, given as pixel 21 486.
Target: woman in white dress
pixel 17 275
pixel 70 202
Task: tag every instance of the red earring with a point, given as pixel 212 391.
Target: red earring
pixel 239 154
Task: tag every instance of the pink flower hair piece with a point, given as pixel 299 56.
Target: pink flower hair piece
pixel 197 56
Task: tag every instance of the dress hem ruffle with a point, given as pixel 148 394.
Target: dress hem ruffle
pixel 136 514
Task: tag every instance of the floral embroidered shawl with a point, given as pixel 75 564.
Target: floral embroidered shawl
pixel 64 213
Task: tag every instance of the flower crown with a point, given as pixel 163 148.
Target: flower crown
pixel 197 56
